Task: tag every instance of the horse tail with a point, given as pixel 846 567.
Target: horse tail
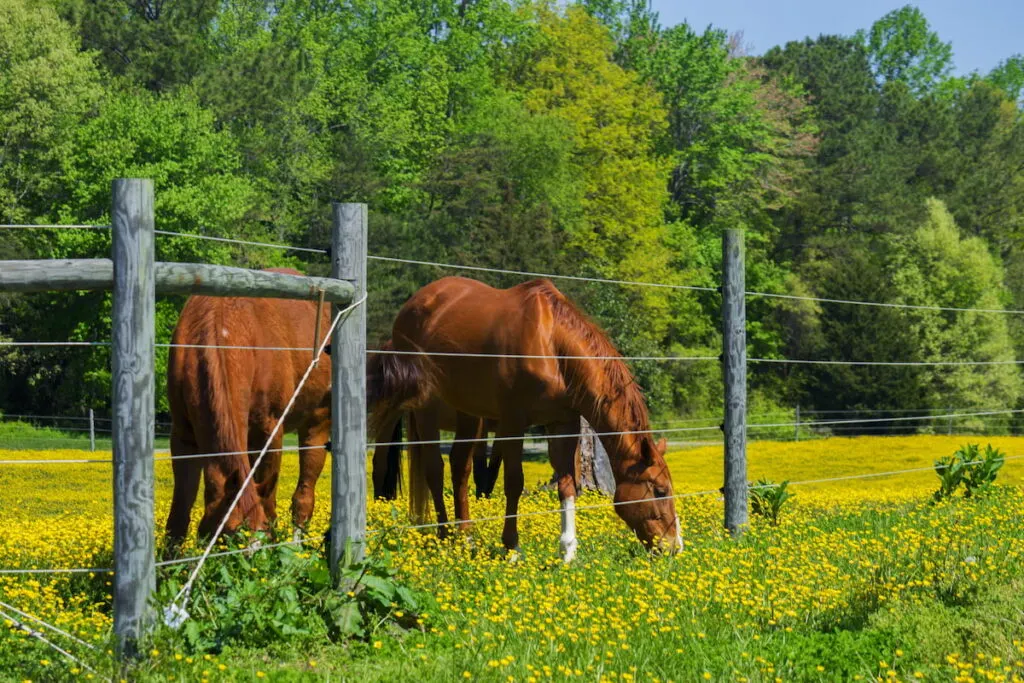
pixel 419 490
pixel 394 383
pixel 228 415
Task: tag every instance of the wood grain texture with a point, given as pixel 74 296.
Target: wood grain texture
pixel 348 392
pixel 133 409
pixel 170 278
pixel 734 340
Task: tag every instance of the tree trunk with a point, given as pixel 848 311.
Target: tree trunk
pixel 595 468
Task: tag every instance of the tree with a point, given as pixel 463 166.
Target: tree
pixel 930 265
pixel 903 47
pixel 1009 77
pixel 198 188
pixel 159 44
pixel 47 87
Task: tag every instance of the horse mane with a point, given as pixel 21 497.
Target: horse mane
pixel 617 385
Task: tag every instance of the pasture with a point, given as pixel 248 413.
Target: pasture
pixel 862 579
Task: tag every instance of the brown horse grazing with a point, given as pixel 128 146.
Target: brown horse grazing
pixel 226 400
pixel 461 316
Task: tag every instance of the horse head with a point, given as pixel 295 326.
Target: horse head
pixel 644 499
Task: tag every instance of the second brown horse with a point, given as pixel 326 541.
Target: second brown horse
pixel 526 356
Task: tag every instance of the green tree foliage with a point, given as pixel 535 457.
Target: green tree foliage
pixel 47 88
pixel 903 48
pixel 1009 76
pixel 159 44
pixel 580 138
pixel 931 265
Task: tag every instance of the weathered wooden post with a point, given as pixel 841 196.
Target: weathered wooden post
pixel 348 392
pixel 92 430
pixel 734 360
pixel 133 409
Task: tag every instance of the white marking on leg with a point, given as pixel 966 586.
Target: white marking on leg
pixel 679 531
pixel 568 539
pixel 297 535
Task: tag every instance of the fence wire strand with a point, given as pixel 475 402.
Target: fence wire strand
pixel 503 271
pixel 39 636
pixel 231 240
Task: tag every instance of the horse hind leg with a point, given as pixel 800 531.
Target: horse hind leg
pixel 387 461
pixel 313 438
pixel 466 427
pixel 224 478
pixel 187 473
pixel 426 470
pixel 508 445
pixel 268 473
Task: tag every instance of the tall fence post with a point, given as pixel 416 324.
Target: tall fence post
pixel 796 430
pixel 734 359
pixel 133 409
pixel 348 392
pixel 92 430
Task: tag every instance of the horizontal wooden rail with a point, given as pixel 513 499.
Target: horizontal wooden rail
pixel 51 275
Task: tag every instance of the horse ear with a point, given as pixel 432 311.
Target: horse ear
pixel 662 446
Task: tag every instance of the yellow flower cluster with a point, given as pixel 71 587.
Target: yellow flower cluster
pixel 613 614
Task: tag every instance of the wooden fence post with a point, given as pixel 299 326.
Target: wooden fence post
pixel 734 359
pixel 92 430
pixel 348 392
pixel 133 409
pixel 796 431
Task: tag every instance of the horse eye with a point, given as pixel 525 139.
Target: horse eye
pixel 660 493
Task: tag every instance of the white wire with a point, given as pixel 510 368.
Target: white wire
pixel 547 275
pixel 194 456
pixel 60 570
pixel 39 636
pixel 62 461
pixel 46 625
pixel 393 352
pixel 881 304
pixel 240 551
pixel 234 241
pixel 53 343
pixel 887 419
pixel 15 226
pixel 540 437
pixel 890 363
pixel 183 594
pixel 221 346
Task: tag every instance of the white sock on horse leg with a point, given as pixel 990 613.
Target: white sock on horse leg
pixel 568 538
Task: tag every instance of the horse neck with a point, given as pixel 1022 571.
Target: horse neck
pixel 609 408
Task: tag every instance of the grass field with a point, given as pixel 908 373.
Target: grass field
pixel 862 579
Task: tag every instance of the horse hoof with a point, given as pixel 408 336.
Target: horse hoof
pixel 515 555
pixel 569 552
pixel 297 535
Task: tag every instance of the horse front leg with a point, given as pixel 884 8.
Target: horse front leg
pixel 509 443
pixel 563 452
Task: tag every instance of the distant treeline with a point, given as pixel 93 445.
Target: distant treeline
pixel 587 140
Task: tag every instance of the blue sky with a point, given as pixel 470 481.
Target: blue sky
pixel 983 33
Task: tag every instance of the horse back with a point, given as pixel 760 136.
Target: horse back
pixel 216 392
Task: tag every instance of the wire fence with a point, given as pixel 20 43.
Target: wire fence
pixel 820 422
